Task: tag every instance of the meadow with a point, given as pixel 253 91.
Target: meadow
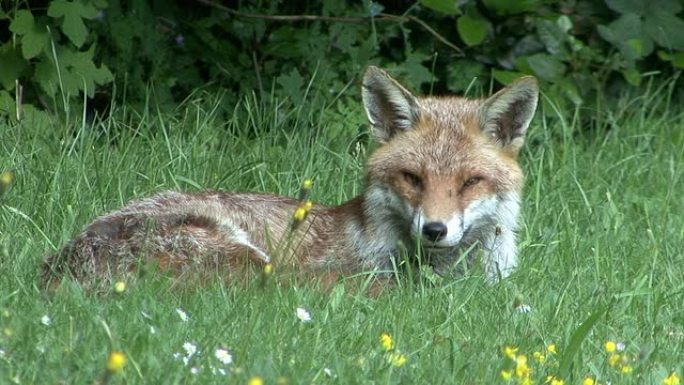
pixel 597 297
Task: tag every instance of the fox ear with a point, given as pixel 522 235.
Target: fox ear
pixel 389 106
pixel 506 115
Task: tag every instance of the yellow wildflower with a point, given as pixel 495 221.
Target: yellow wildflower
pixel 308 205
pixel 506 374
pixel 626 369
pixel 610 346
pixel 588 381
pixel 268 269
pixel 672 379
pixel 256 380
pixel 552 349
pixel 553 380
pixel 614 359
pixel 397 359
pixel 300 214
pixel 539 357
pixel 307 184
pixel 526 381
pixel 521 368
pixel 120 287
pixel 6 179
pixel 510 351
pixel 116 361
pixel 386 341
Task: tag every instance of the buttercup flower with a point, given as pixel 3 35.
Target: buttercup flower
pixel 268 269
pixel 506 374
pixel 539 357
pixel 120 287
pixel 386 341
pixel 256 380
pixel 552 349
pixel 510 352
pixel 588 381
pixel 397 359
pixel 610 346
pixel 552 380
pixel 672 379
pixel 116 361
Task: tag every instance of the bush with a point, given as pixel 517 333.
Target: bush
pixel 53 53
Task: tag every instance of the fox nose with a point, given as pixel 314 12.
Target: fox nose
pixel 434 231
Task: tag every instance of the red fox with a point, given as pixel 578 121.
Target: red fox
pixel 443 183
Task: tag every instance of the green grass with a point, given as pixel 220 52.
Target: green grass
pixel 602 254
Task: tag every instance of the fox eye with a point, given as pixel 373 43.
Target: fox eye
pixel 472 181
pixel 413 179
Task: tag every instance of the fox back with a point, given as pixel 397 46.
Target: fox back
pixel 444 183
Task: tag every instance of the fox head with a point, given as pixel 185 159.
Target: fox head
pixel 446 167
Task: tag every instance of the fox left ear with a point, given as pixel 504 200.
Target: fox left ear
pixel 390 107
pixel 506 115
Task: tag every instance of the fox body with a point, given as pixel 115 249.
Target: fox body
pixel 444 179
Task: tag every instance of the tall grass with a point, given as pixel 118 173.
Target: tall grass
pixel 602 255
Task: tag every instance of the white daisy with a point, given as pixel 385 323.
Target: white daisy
pixel 182 314
pixel 224 356
pixel 303 314
pixel 46 320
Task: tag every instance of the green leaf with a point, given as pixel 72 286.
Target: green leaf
pixel 624 33
pixel 546 66
pixel 73 13
pixel 632 76
pixel 23 22
pixel 576 342
pixel 12 66
pixel 34 35
pixel 676 58
pixel 448 7
pixel 628 6
pixel 464 73
pixel 78 73
pixel 665 28
pixel 552 36
pixel 506 77
pixel 511 7
pixel 472 27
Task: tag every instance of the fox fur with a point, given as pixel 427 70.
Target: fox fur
pixel 444 182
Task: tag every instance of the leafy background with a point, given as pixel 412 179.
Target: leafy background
pixel 57 53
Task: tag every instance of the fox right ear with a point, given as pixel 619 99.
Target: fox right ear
pixel 389 106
